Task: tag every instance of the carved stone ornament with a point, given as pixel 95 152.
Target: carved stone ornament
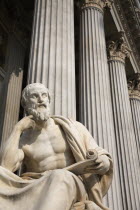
pixel 134 86
pixel 129 24
pixel 99 4
pixel 118 50
pixel 62 145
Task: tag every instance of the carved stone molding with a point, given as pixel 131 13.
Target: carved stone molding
pixel 118 50
pixel 134 86
pixel 98 4
pixel 130 21
pixel 137 10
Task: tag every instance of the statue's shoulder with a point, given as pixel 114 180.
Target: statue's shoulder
pixel 71 122
pixel 79 125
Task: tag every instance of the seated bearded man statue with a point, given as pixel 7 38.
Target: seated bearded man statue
pixel 59 165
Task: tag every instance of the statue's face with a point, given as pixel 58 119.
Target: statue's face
pixel 38 98
pixel 38 103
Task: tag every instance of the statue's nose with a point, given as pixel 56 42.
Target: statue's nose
pixel 40 99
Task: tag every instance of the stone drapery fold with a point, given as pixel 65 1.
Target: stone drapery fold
pixel 80 141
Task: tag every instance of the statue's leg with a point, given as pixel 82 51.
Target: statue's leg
pixel 62 190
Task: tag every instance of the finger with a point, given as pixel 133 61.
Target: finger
pixel 32 121
pixel 94 164
pixel 98 160
pixel 90 172
pixel 102 168
pixel 95 167
pixel 98 167
pixel 42 116
pixel 30 116
pixel 95 171
pixel 33 124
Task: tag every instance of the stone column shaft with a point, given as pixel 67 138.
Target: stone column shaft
pixel 135 108
pixel 124 132
pixel 134 96
pixel 13 84
pixel 52 53
pixel 95 96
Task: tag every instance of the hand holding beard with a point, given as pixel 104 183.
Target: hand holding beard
pixel 25 123
pixel 39 113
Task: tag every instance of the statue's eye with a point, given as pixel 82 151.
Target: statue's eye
pixel 44 95
pixel 34 96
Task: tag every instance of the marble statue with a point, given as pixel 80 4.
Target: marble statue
pixel 59 165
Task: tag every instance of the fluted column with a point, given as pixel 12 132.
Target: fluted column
pixel 124 132
pixel 95 96
pixel 134 96
pixel 52 53
pixel 13 84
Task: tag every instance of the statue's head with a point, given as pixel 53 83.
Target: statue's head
pixel 36 101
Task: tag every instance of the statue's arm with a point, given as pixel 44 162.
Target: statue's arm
pixel 102 164
pixel 11 155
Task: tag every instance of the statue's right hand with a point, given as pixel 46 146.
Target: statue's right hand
pixel 25 123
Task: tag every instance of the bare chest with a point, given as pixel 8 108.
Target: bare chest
pixel 47 150
pixel 46 143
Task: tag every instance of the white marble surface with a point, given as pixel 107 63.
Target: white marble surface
pixel 52 57
pixel 47 146
pixel 125 138
pixel 95 110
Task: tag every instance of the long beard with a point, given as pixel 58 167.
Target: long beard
pixel 40 114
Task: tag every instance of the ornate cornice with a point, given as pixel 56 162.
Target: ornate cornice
pixel 134 86
pixel 130 19
pixel 98 4
pixel 118 50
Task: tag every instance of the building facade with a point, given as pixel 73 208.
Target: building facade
pixel 87 52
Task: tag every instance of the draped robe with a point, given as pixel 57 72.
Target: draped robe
pixel 16 192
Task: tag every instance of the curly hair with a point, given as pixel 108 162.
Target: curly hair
pixel 26 90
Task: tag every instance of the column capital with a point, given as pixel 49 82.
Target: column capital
pixel 98 4
pixel 134 86
pixel 118 50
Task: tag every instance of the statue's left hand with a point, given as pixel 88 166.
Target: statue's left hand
pixel 100 166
